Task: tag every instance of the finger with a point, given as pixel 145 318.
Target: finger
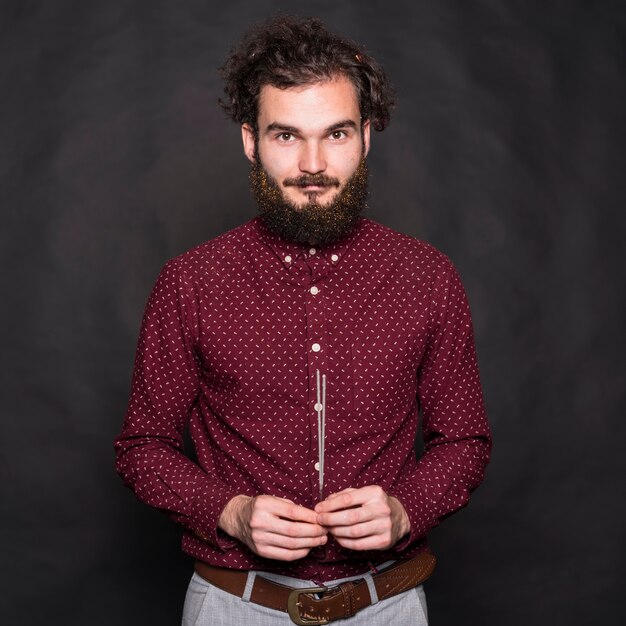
pixel 372 542
pixel 292 529
pixel 345 499
pixel 345 517
pixel 360 531
pixel 281 554
pixel 334 495
pixel 290 511
pixel 289 543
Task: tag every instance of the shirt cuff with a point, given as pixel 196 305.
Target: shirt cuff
pixel 419 517
pixel 206 511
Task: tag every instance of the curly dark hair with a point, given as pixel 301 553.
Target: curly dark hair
pixel 290 51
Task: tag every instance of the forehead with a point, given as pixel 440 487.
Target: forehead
pixel 309 106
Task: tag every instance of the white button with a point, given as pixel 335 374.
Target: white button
pixel 316 347
pixel 312 251
pixel 318 406
pixel 317 466
pixel 287 259
pixel 334 258
pixel 314 290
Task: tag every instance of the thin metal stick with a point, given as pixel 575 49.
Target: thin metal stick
pixel 323 435
pixel 319 407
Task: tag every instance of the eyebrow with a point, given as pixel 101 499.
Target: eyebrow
pixel 292 129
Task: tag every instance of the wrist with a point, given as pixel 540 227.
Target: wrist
pixel 230 518
pixel 403 524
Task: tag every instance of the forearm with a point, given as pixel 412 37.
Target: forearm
pixel 230 517
pixel 441 483
pixel 163 477
pixel 457 438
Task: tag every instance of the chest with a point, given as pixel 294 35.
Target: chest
pixel 364 325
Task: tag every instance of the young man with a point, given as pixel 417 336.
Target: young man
pixel 299 348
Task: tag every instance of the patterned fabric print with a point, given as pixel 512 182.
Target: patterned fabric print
pixel 232 336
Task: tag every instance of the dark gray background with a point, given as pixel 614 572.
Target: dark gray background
pixel 506 152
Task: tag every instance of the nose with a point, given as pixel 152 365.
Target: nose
pixel 312 160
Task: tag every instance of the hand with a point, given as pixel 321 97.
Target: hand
pixel 274 528
pixel 364 519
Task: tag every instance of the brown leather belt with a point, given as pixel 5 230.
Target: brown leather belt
pixel 339 602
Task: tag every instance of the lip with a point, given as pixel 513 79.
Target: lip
pixel 313 188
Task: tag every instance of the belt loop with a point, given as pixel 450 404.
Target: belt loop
pixel 247 592
pixel 372 587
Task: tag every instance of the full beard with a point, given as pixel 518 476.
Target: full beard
pixel 311 223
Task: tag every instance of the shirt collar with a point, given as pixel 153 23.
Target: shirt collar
pixel 288 252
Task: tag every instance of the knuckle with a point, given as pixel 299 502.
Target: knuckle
pixel 346 499
pixel 263 551
pixel 352 517
pixel 379 495
pixel 353 531
pixel 291 531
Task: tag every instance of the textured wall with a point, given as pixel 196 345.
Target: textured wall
pixel 506 152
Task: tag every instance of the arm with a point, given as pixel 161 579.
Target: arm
pixel 165 384
pixel 456 435
pixel 457 439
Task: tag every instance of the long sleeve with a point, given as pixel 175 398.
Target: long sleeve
pixel 457 439
pixel 232 337
pixel 165 385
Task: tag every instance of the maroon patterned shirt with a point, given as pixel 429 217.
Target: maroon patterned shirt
pixel 232 338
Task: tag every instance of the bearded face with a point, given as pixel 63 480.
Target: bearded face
pixel 313 222
pixel 307 152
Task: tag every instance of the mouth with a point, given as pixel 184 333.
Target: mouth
pixel 316 188
pixel 317 183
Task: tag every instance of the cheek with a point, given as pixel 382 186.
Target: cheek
pixel 279 163
pixel 345 164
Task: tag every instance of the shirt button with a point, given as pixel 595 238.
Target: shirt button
pixel 316 347
pixel 334 258
pixel 287 259
pixel 317 466
pixel 318 407
pixel 312 251
pixel 314 290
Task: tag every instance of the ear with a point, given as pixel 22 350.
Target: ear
pixel 248 137
pixel 366 137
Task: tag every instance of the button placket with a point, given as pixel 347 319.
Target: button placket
pixel 316 360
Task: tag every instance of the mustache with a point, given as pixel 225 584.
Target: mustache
pixel 317 180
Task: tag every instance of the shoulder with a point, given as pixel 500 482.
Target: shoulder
pixel 223 250
pixel 227 244
pixel 407 251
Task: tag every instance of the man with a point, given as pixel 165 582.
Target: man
pixel 299 348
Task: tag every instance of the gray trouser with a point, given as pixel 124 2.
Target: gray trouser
pixel 207 605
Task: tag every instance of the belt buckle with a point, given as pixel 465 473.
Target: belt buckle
pixel 294 612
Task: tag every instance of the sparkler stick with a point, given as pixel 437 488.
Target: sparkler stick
pixel 320 408
pixel 323 434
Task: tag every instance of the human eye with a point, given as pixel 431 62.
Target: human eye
pixel 338 135
pixel 285 137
